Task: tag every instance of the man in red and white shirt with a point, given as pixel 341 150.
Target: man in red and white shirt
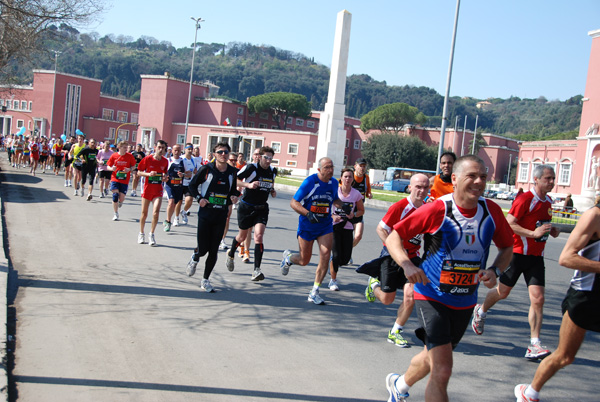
pixel 529 217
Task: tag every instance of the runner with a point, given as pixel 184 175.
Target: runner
pixel 44 153
pixel 68 161
pixel 386 276
pixel 580 306
pixel 34 149
pixel 120 164
pixel 8 143
pixel 57 153
pixel 529 217
pixel 103 157
pixel 26 158
pixel 442 184
pixel 231 161
pixel 214 186
pixel 445 285
pixel 18 146
pixel 88 155
pixel 363 185
pixel 245 248
pixel 154 167
pixel 77 161
pixel 191 165
pixel 174 187
pixel 258 180
pixel 342 225
pixel 138 154
pixel 313 201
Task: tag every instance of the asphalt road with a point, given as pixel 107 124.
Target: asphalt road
pixel 101 318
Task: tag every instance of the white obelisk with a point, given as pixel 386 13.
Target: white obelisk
pixel 332 135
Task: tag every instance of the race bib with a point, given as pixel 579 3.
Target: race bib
pixel 104 162
pixel 92 157
pixel 218 199
pixel 155 179
pixel 121 175
pixel 459 277
pixel 265 185
pixel 320 209
pixel 176 181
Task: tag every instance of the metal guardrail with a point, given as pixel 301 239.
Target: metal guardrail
pixel 564 217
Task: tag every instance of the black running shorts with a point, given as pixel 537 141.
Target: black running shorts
pixel 583 307
pixel 531 266
pixel 250 215
pixel 442 324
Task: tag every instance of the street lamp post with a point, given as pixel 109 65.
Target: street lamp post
pixel 187 115
pixel 56 53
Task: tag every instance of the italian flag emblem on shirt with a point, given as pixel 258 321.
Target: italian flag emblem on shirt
pixel 470 238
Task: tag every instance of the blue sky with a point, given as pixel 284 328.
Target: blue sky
pixel 524 48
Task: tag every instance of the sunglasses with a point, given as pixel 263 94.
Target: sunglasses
pixel 222 152
pixel 268 158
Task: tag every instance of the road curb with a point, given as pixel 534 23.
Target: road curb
pixel 4 315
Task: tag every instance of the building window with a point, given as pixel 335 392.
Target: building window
pixel 195 140
pixel 292 149
pixel 111 133
pixel 345 160
pixel 347 143
pixel 180 138
pixel 300 122
pixel 276 146
pixel 240 123
pixel 310 124
pixel 251 114
pixel 564 178
pixel 72 107
pixel 122 116
pixel 30 105
pixel 240 110
pixel 107 114
pixel 290 120
pixel 16 105
pixel 134 136
pixel 291 163
pixel 274 127
pixel 135 117
pixel 362 145
pixel 356 144
pixel 261 125
pixel 275 162
pixel 23 105
pixel 20 123
pixel 250 124
pixel 264 115
pixel 123 135
pixel 523 171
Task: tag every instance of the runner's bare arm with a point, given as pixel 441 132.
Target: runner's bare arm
pixel 586 230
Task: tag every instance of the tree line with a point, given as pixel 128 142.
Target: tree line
pixel 243 70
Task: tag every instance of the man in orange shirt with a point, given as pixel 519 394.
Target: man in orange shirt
pixel 442 184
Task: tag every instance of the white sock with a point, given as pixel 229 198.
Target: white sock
pixel 535 341
pixel 315 288
pixel 401 385
pixel 532 393
pixel 375 285
pixel 396 327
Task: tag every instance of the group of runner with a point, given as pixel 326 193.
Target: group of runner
pixel 28 152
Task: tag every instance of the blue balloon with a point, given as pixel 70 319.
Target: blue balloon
pixel 22 131
pixel 63 137
pixel 79 132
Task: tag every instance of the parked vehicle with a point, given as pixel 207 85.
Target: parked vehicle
pixel 490 193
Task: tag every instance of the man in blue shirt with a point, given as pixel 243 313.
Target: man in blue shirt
pixel 313 201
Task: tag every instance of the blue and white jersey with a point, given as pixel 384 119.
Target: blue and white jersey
pixel 317 197
pixel 588 281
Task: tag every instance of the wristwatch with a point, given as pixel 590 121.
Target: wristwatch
pixel 496 270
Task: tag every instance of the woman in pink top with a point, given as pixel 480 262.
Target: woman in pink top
pixel 104 173
pixel 342 227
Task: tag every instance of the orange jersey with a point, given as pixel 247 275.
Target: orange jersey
pixel 440 188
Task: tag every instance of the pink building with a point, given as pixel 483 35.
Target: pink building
pixel 575 161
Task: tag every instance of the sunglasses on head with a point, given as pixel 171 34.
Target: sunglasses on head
pixel 222 152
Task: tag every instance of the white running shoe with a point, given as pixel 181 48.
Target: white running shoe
pixel 175 222
pixel 141 238
pixel 190 270
pixel 334 285
pixel 314 297
pixel 222 245
pixel 66 182
pixel 229 262
pixel 89 197
pixel 395 395
pixel 101 194
pixel 76 193
pixel 206 286
pixel 183 218
pixel 151 240
pixel 257 275
pixel 116 216
pixel 286 263
pixel 133 193
pixel 520 394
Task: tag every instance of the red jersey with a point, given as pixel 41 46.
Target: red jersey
pixel 45 149
pixel 153 184
pixel 35 151
pixel 395 214
pixel 121 162
pixel 531 211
